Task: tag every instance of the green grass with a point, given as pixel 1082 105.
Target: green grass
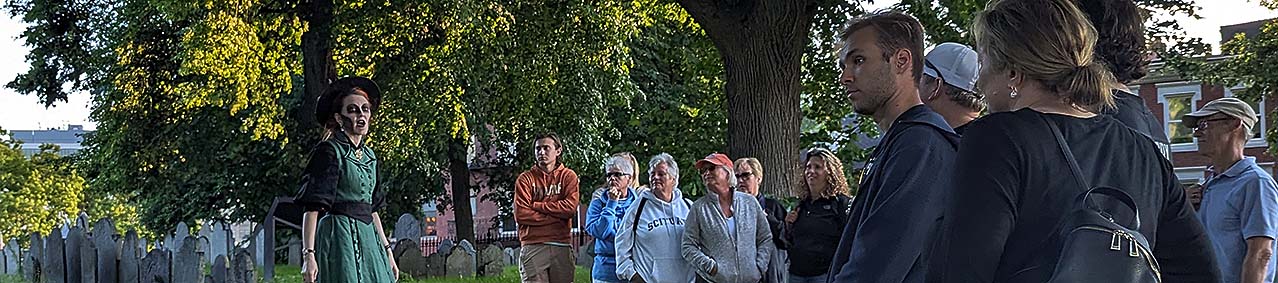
pixel 15 278
pixel 293 274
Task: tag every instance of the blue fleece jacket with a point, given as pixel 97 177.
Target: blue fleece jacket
pixel 602 221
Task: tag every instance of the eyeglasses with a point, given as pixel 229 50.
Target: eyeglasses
pixel 744 175
pixel 616 174
pixel 1202 124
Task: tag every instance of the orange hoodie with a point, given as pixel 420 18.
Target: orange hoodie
pixel 545 204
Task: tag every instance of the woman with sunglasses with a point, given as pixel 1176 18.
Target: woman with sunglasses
pixel 819 218
pixel 749 176
pixel 607 208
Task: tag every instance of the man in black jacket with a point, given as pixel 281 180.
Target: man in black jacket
pixel 890 231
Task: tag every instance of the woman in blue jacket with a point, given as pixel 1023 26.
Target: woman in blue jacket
pixel 607 207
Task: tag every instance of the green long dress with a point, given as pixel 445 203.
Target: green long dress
pixel 348 248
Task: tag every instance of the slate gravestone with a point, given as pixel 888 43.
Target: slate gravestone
pixel 466 246
pixel 407 228
pixel 179 234
pixel 31 261
pixel 295 253
pixel 186 263
pixel 460 263
pixel 258 246
pixel 408 256
pixel 206 239
pixel 155 267
pixel 512 256
pixel 129 258
pixel 55 268
pixel 445 247
pixel 220 240
pixel 219 272
pixel 75 242
pixel 242 268
pixel 586 255
pixel 88 260
pixel 108 250
pixel 490 261
pixel 11 257
pixel 203 250
pixel 82 221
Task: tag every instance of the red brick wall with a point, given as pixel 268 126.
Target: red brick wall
pixel 1149 93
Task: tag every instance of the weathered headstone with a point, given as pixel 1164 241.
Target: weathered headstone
pixel 11 256
pixel 129 259
pixel 75 242
pixel 179 234
pixel 219 269
pixel 54 267
pixel 31 261
pixel 206 236
pixel 408 256
pixel 220 240
pixel 491 261
pixel 466 246
pixel 108 250
pixel 88 259
pixel 186 263
pixel 511 256
pixel 242 268
pixel 407 227
pixel 259 240
pixel 203 250
pixel 445 247
pixel 460 263
pixel 82 221
pixel 155 267
pixel 435 266
pixel 295 253
pixel 585 256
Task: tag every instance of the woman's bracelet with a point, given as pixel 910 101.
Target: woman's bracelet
pixel 308 252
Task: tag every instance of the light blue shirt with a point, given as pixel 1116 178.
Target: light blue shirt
pixel 1238 204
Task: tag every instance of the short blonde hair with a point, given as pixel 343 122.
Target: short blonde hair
pixel 753 163
pixel 836 182
pixel 1046 40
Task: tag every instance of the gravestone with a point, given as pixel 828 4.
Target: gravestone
pixel 220 240
pixel 129 259
pixel 219 272
pixel 491 261
pixel 31 261
pixel 203 250
pixel 179 234
pixel 11 257
pixel 242 268
pixel 295 253
pixel 435 265
pixel 585 256
pixel 408 256
pixel 88 259
pixel 186 263
pixel 82 221
pixel 206 236
pixel 155 267
pixel 407 228
pixel 55 268
pixel 460 263
pixel 511 256
pixel 258 246
pixel 108 250
pixel 466 246
pixel 445 247
pixel 75 242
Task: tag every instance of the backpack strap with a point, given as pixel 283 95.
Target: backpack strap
pixel 638 214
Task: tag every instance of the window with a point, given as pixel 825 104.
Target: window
pixel 1177 107
pixel 1257 104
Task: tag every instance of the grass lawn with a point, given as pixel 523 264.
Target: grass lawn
pixel 293 274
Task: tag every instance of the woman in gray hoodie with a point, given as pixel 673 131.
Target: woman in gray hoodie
pixel 647 244
pixel 726 238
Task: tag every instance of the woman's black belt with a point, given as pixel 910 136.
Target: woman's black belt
pixel 359 210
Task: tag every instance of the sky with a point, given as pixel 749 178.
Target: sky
pixel 24 112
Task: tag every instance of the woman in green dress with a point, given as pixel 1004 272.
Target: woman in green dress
pixel 348 244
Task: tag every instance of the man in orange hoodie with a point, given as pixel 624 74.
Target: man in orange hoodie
pixel 545 204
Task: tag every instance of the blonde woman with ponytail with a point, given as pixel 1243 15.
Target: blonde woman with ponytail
pixel 1013 186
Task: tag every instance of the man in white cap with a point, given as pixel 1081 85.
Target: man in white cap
pixel 1239 204
pixel 948 85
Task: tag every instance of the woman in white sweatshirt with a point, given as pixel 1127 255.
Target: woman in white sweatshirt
pixel 648 243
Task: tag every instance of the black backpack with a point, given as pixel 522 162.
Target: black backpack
pixel 1096 248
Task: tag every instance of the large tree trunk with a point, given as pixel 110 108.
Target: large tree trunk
pixel 762 43
pixel 459 174
pixel 317 58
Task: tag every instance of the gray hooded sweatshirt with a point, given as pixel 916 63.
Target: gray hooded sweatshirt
pixel 651 250
pixel 741 256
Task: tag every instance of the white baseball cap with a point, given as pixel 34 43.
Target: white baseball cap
pixel 956 64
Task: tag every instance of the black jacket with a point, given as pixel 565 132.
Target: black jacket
pixel 895 215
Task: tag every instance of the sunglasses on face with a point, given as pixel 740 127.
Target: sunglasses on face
pixel 616 174
pixel 744 175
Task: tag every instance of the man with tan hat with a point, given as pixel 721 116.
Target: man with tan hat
pixel 1239 204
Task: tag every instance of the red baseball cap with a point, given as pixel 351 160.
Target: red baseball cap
pixel 714 159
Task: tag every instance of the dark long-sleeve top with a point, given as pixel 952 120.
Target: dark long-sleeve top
pixel 341 178
pixel 1013 188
